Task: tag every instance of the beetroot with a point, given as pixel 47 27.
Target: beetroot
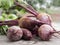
pixel 45 18
pixel 25 22
pixel 45 32
pixel 29 22
pixel 27 35
pixel 14 33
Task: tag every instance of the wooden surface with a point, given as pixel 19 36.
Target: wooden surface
pixel 53 41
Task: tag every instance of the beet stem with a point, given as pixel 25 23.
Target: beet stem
pixel 9 23
pixel 31 16
pixel 26 8
pixel 55 36
pixel 55 30
pixel 31 8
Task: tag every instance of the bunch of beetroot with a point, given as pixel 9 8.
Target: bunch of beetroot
pixel 38 24
pixel 30 25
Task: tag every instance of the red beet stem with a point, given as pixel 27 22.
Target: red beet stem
pixel 31 8
pixel 28 8
pixel 54 29
pixel 30 16
pixel 38 22
pixel 9 23
pixel 55 36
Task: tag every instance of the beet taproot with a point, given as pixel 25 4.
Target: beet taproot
pixel 45 18
pixel 27 35
pixel 14 33
pixel 25 22
pixel 45 32
pixel 29 22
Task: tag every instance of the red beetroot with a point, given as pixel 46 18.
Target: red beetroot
pixel 25 22
pixel 45 32
pixel 29 22
pixel 45 18
pixel 27 35
pixel 14 33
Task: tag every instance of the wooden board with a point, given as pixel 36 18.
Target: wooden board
pixel 53 41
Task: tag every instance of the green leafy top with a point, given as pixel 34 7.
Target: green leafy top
pixel 6 3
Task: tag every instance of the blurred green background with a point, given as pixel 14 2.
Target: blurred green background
pixel 48 6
